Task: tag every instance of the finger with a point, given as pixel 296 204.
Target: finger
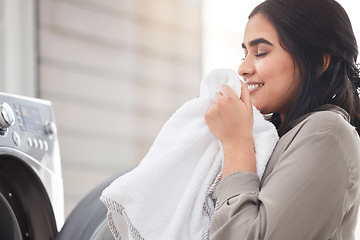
pixel 217 96
pixel 245 94
pixel 227 91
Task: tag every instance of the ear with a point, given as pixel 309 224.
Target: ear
pixel 326 59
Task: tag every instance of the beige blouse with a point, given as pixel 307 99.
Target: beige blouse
pixel 310 189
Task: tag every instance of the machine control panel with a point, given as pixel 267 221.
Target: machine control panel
pixel 27 124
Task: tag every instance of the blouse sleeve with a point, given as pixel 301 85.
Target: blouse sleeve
pixel 311 187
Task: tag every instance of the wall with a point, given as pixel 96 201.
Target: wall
pixel 115 71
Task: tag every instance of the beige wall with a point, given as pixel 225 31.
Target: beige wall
pixel 115 71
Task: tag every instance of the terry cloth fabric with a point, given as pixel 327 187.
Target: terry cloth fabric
pixel 170 194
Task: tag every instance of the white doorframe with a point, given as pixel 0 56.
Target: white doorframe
pixel 20 48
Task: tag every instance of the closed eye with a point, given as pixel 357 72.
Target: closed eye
pixel 260 54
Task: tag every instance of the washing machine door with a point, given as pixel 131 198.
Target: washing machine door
pixel 25 208
pixel 9 226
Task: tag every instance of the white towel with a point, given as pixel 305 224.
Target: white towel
pixel 170 194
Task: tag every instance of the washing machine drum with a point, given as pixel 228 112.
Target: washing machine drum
pixel 26 211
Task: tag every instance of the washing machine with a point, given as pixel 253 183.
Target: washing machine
pixel 31 185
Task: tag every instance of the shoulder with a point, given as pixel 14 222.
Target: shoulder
pixel 326 133
pixel 323 138
pixel 332 122
pixel 326 129
pixel 327 121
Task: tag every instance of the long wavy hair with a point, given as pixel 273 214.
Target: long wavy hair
pixel 310 30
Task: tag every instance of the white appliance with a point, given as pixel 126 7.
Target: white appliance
pixel 31 185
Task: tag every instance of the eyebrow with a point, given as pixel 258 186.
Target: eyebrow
pixel 257 41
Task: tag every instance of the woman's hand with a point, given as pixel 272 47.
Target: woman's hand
pixel 230 119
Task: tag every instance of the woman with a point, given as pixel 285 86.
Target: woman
pixel 299 66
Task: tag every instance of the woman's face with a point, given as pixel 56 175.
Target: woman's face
pixel 272 77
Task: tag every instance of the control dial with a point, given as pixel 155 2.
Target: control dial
pixel 50 128
pixel 7 116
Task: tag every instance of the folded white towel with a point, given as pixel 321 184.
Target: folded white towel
pixel 170 195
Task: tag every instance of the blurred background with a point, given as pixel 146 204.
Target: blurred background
pixel 116 70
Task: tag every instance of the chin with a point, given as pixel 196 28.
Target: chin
pixel 262 109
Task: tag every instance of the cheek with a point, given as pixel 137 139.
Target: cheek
pixel 277 73
pixel 266 69
pixel 272 76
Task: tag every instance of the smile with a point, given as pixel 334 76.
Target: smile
pixel 252 87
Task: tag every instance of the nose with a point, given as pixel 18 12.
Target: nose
pixel 246 68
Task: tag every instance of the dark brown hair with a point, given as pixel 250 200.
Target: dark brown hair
pixel 310 29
